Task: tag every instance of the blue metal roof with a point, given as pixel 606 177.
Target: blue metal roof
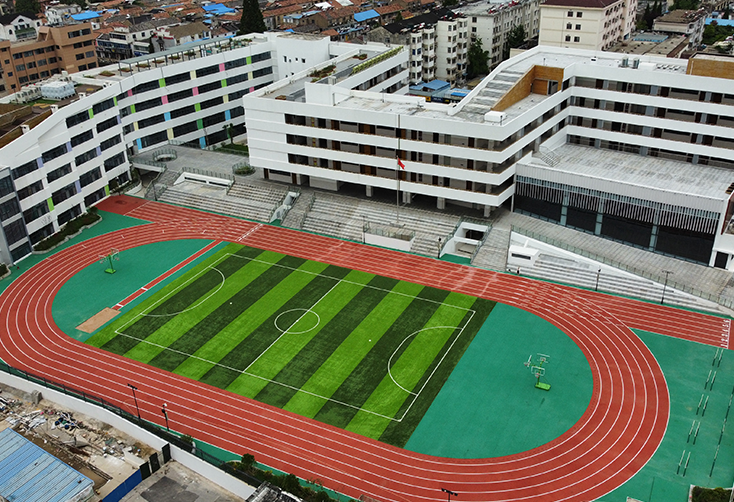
pixel 29 474
pixel 364 16
pixel 218 8
pixel 720 22
pixel 83 16
pixel 436 84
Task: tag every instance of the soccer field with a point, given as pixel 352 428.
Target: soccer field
pixel 355 350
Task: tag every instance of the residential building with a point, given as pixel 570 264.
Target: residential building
pixel 683 22
pixel 492 22
pixel 18 27
pixel 586 24
pixel 437 44
pixel 58 166
pixel 166 37
pixel 67 48
pixel 58 15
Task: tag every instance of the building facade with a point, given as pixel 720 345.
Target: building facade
pixel 586 24
pixel 67 48
pixel 690 23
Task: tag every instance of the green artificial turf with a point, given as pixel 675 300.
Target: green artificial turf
pixel 352 349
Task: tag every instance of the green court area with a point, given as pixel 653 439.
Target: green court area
pixel 359 351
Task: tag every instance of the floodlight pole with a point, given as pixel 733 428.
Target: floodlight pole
pixel 438 254
pixel 598 272
pixel 667 273
pixel 449 493
pixel 165 414
pixel 136 400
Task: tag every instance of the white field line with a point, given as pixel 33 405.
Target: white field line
pixel 245 372
pixel 296 322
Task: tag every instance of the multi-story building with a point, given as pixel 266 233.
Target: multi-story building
pixel 683 22
pixel 58 15
pixel 67 48
pixel 437 44
pixel 594 141
pixel 55 170
pixel 639 150
pixel 586 24
pixel 18 27
pixel 492 23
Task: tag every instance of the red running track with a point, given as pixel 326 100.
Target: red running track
pixel 618 433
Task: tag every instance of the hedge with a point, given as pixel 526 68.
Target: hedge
pixel 71 227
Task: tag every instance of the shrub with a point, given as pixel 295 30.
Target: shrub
pixel 72 227
pixel 106 73
pixel 701 494
pixel 3 269
pixel 244 170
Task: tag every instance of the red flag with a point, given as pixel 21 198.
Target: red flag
pixel 400 163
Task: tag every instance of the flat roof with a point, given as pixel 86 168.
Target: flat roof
pixel 632 170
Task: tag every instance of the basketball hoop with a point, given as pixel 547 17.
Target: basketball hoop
pixel 537 370
pixel 114 255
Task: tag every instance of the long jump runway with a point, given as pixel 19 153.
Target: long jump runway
pixel 618 433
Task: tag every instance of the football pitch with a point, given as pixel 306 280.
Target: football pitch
pixel 355 350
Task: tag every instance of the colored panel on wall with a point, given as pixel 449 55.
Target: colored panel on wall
pixel 221 66
pixel 227 115
pixel 114 100
pixel 170 133
pixel 225 98
pixel 164 100
pixel 249 59
pixel 195 91
pixel 39 161
pixel 129 93
pixel 135 126
pixel 202 142
pixel 224 84
pixel 132 108
pixel 197 107
pixel 161 82
pixel 78 186
pixel 106 189
pixel 140 144
pixel 199 124
pixel 91 114
pixel 167 116
pixel 50 204
pixel 99 151
pixel 193 74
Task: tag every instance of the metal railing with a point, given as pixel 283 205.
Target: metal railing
pixel 716 298
pixel 206 172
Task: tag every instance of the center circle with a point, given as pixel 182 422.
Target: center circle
pixel 306 318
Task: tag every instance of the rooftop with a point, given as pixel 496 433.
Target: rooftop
pixel 29 474
pixel 627 174
pixel 488 7
pixel 587 4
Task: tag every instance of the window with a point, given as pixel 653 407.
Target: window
pixel 242 77
pixel 20 67
pixel 22 80
pixel 31 64
pixel 202 72
pixel 145 87
pixel 211 102
pixel 77 119
pixel 568 38
pixel 260 57
pixel 41 62
pixel 570 13
pixel 185 110
pixel 29 190
pixel 236 63
pixel 153 139
pixel 177 79
pixel 184 129
pixel 89 54
pixel 156 119
pixel 147 105
pixel 104 105
pixel 85 157
pixel 9 209
pixel 177 96
pixel 35 212
pixel 106 124
pixel 58 173
pixel 63 194
pixel 114 161
pixel 211 120
pixel 13 233
pixel 90 177
pixel 79 56
pixel 6 186
pixel 108 143
pixel 210 87
pixel 576 39
pixel 578 26
pixel 579 14
pixel 569 26
pixel 81 138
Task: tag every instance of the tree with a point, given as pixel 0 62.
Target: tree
pixel 685 5
pixel 252 18
pixel 27 6
pixel 450 3
pixel 476 59
pixel 515 38
pixel 399 17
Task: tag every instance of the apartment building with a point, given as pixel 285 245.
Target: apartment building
pixel 492 22
pixel 18 27
pixel 586 24
pixel 683 22
pixel 437 44
pixel 638 150
pixel 67 48
pixel 66 163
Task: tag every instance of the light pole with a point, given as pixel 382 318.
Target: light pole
pixel 165 414
pixel 449 493
pixel 598 272
pixel 136 399
pixel 667 273
pixel 438 255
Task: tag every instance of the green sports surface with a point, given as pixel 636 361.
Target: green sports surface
pixel 359 351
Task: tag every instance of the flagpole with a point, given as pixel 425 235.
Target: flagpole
pixel 397 177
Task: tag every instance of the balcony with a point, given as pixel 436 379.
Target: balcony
pixel 25 33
